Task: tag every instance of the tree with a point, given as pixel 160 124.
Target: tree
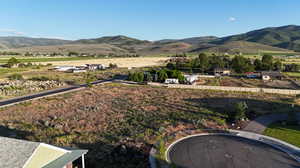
pixel 278 65
pixel 171 66
pixel 292 68
pixel 148 77
pixel 203 62
pixel 240 64
pixel 216 62
pixel 240 110
pixel 12 61
pixel 162 75
pixel 258 64
pixel 136 76
pixel 267 62
pixel 112 66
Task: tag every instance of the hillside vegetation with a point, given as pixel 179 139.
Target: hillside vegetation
pixel 287 37
pixel 244 47
pixel 274 39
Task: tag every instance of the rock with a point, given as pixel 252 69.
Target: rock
pixel 58 126
pixel 123 149
pixel 46 123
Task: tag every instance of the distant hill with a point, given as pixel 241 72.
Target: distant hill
pixel 283 39
pixel 114 40
pixel 287 37
pixel 66 48
pixel 171 47
pixel 17 42
pixel 232 47
pixel 193 40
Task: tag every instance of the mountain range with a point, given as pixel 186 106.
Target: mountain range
pixel 279 39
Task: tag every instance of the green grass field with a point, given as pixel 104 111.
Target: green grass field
pixel 292 74
pixel 47 59
pixel 290 134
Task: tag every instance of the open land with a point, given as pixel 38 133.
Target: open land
pixel 121 62
pixel 117 123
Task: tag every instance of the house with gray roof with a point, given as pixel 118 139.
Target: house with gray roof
pixel 15 153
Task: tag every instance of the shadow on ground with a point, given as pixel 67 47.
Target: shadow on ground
pixel 255 107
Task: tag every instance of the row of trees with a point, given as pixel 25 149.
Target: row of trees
pixel 239 64
pixel 14 62
pixel 156 76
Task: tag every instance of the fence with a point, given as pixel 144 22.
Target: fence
pixel 234 89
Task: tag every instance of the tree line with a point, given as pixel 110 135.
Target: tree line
pixel 239 64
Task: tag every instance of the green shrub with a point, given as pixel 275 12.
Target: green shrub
pixel 40 78
pixel 136 76
pixel 15 77
pixel 239 112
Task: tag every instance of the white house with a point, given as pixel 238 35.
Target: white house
pixel 191 78
pixel 64 68
pixel 171 81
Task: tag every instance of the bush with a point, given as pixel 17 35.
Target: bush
pixel 239 113
pixel 113 66
pixel 40 78
pixel 136 76
pixel 12 61
pixel 15 77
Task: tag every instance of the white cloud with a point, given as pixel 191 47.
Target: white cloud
pixel 12 31
pixel 232 19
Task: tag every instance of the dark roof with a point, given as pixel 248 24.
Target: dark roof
pixel 221 69
pixel 272 73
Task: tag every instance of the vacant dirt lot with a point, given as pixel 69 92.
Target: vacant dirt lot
pixel 118 123
pixel 121 62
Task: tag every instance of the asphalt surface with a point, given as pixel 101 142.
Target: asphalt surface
pixel 47 93
pixel 218 151
pixel 261 123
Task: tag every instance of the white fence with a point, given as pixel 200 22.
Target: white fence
pixel 237 89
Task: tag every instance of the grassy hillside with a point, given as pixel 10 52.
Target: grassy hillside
pixel 193 40
pixel 115 40
pixel 176 47
pixel 16 42
pixel 287 37
pixel 244 47
pixel 80 48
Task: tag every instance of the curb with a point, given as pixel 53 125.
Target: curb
pixel 291 150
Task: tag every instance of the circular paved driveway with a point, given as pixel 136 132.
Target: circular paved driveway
pixel 221 151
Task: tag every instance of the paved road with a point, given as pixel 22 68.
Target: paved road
pixel 261 123
pixel 12 101
pixel 218 151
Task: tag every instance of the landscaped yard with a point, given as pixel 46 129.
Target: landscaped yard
pixel 290 134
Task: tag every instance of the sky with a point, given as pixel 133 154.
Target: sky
pixel 142 19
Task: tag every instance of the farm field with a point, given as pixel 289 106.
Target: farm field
pixel 22 59
pixel 118 123
pixel 289 134
pixel 121 62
